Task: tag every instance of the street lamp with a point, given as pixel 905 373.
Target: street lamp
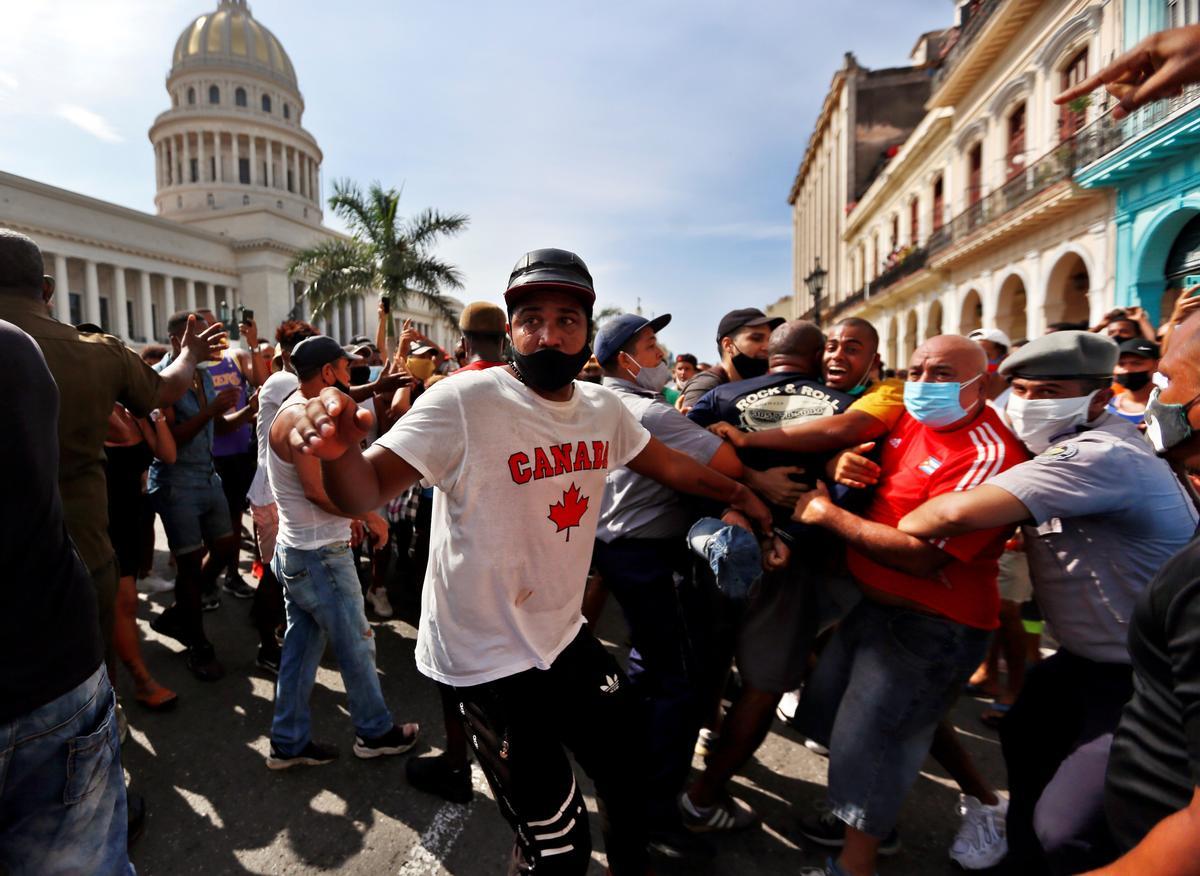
pixel 816 285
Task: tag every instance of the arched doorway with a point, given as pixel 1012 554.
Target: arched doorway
pixel 1067 291
pixel 933 326
pixel 890 360
pixel 911 341
pixel 1183 267
pixel 972 313
pixel 1012 307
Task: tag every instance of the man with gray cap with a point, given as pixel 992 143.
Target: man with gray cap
pixel 1100 513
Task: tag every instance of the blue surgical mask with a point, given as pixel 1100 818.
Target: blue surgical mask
pixel 935 404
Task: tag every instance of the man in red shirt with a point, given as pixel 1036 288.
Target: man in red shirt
pixel 899 659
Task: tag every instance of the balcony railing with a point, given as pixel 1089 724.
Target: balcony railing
pixel 975 16
pixel 1107 134
pixel 911 263
pixel 1052 168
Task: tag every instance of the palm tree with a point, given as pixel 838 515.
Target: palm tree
pixel 385 254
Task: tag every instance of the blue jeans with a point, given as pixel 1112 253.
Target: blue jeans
pixel 881 686
pixel 323 597
pixel 62 790
pixel 194 513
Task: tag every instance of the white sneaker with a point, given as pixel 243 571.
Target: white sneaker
pixel 154 584
pixel 706 742
pixel 788 704
pixel 816 747
pixel 981 841
pixel 379 602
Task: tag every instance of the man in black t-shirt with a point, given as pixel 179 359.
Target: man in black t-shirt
pixel 1152 792
pixel 62 800
pixel 774 633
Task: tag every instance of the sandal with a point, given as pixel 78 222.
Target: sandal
pixel 158 699
pixel 993 715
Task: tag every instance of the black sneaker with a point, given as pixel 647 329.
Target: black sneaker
pixel 236 586
pixel 827 830
pixel 202 662
pixel 167 624
pixel 434 775
pixel 268 658
pixel 396 741
pixel 677 845
pixel 314 754
pixel 210 600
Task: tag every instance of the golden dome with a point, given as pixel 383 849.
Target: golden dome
pixel 231 36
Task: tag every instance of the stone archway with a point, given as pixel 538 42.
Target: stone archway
pixel 972 313
pixel 1012 307
pixel 933 325
pixel 911 339
pixel 890 359
pixel 1067 291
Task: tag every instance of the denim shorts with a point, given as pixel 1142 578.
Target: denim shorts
pixel 193 514
pixel 886 679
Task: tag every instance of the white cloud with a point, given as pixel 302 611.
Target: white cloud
pixel 8 82
pixel 94 123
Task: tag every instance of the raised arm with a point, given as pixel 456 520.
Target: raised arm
pixel 195 347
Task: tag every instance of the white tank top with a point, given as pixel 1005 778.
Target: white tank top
pixel 302 524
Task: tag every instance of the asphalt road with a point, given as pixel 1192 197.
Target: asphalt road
pixel 214 807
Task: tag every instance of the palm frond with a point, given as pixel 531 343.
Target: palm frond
pixel 429 225
pixel 337 271
pixel 347 201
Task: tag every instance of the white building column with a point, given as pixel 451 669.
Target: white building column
pixel 237 157
pixel 335 324
pixel 187 159
pixel 210 297
pixel 253 161
pixel 217 153
pixel 91 299
pixel 62 289
pixel 347 320
pixel 120 299
pixel 145 307
pixel 274 177
pixel 201 163
pixel 190 295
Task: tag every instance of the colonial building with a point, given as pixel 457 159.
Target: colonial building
pixel 1151 160
pixel 238 195
pixel 975 220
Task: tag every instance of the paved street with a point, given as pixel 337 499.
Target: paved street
pixel 215 808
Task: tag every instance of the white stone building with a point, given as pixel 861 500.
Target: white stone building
pixel 238 195
pixel 976 220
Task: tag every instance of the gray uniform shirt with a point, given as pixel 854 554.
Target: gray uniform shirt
pixel 635 506
pixel 1107 514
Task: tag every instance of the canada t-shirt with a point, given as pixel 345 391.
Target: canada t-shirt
pixel 520 481
pixel 917 464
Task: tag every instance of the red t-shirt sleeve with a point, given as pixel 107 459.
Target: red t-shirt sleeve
pixel 963 473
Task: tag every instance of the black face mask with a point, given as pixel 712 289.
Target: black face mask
pixel 360 374
pixel 1133 380
pixel 747 366
pixel 550 370
pixel 341 387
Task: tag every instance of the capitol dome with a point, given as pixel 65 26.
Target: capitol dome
pixel 231 37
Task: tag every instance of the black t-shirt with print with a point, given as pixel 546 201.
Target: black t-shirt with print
pixel 1154 767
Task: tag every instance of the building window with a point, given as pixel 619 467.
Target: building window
pixel 914 220
pixel 214 94
pixel 191 96
pixel 939 198
pixel 194 169
pixel 290 182
pixel 104 314
pixel 975 174
pixel 149 330
pixel 266 103
pixel 129 315
pixel 287 111
pixel 895 243
pixel 1181 12
pixel 212 166
pixel 1016 141
pixel 76 302
pixel 244 171
pixel 1070 121
pixel 245 200
pixel 239 97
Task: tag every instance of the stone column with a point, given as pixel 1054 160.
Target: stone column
pixel 237 157
pixel 190 295
pixel 120 297
pixel 158 181
pixel 146 308
pixel 347 320
pixel 62 289
pixel 301 180
pixel 217 153
pixel 253 160
pixel 335 324
pixel 91 299
pixel 187 159
pixel 201 162
pixel 210 297
pixel 274 178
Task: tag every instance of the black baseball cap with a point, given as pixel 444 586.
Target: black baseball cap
pixel 550 268
pixel 747 317
pixel 1140 347
pixel 311 354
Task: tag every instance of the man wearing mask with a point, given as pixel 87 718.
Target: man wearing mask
pixel 742 342
pixel 1100 514
pixel 1136 364
pixel 519 455
pixel 897 662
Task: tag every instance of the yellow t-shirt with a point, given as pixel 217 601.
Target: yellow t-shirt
pixel 884 401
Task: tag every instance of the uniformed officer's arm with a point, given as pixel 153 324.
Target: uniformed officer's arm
pixel 885 545
pixel 1171 849
pixel 949 514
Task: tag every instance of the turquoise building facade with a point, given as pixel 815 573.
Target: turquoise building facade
pixel 1152 160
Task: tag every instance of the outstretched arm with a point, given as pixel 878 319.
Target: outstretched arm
pixel 680 472
pixel 1171 849
pixel 984 507
pixel 817 435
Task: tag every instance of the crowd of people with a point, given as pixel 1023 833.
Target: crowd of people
pixel 800 532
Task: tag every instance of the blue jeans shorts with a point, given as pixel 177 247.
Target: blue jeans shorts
pixel 886 679
pixel 193 514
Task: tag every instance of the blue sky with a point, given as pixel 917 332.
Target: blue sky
pixel 656 139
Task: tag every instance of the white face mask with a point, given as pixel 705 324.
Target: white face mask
pixel 1038 422
pixel 653 379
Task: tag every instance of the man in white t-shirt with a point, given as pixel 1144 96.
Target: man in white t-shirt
pixel 519 455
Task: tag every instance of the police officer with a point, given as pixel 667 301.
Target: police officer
pixel 1100 514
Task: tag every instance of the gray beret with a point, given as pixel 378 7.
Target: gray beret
pixel 1063 355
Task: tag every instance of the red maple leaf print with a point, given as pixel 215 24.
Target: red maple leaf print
pixel 569 511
